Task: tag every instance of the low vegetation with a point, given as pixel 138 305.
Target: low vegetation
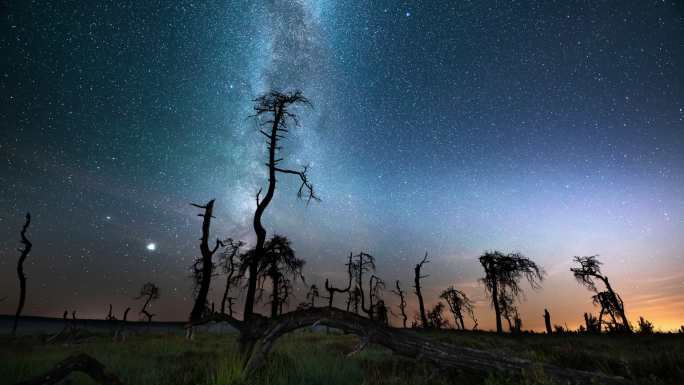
pixel 311 358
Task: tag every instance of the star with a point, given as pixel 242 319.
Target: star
pixel 151 246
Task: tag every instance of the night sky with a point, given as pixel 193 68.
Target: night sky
pixel 550 128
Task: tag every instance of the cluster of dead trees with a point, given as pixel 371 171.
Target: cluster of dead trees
pixel 267 271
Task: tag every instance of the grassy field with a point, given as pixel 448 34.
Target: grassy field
pixel 317 358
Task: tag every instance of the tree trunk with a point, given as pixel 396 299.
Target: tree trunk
pixel 547 321
pixel 207 263
pixel 497 310
pixel 406 343
pixel 20 272
pixel 620 307
pixel 419 294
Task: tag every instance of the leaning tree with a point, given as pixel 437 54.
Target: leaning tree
pixel 458 303
pixel 503 273
pixel 273 112
pixel 587 273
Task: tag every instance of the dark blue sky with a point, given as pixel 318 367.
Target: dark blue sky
pixel 549 128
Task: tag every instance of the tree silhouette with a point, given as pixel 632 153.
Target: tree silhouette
pixel 458 303
pixel 503 273
pixel 204 267
pixel 278 263
pixel 228 260
pixel 332 290
pixel 547 321
pixel 312 294
pixel 24 252
pixel 375 287
pixel 402 303
pixel 592 324
pixel 587 273
pixel 362 263
pixel 150 292
pixel 416 285
pixel 274 107
pixel 436 317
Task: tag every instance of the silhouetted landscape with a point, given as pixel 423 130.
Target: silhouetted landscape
pixel 120 271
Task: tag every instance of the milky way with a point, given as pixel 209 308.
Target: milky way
pixel 553 130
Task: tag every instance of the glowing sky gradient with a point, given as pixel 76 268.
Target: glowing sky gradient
pixel 550 129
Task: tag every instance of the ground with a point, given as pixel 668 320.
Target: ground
pixel 309 357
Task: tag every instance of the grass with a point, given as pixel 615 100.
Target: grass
pixel 317 358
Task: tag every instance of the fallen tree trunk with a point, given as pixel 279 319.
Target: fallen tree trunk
pixel 77 363
pixel 401 341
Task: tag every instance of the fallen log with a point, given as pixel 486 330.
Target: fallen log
pixel 406 343
pixel 80 362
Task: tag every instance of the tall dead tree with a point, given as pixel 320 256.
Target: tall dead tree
pixel 402 303
pixel 587 273
pixel 228 260
pixel 150 292
pixel 332 290
pixel 24 252
pixel 458 303
pixel 503 273
pixel 272 111
pixel 362 263
pixel 416 285
pixel 204 267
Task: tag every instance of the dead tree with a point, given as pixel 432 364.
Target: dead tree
pixel 204 267
pixel 272 111
pixel 80 362
pixel 501 281
pixel 110 316
pixel 458 303
pixel 150 292
pixel 436 317
pixel 375 287
pixel 402 303
pixel 312 294
pixel 354 299
pixel 362 263
pixel 592 324
pixel 416 285
pixel 229 264
pixel 547 321
pixel 587 273
pixel 24 252
pixel 332 290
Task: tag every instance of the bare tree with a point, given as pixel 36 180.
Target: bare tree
pixel 416 284
pixel 458 303
pixel 312 294
pixel 24 252
pixel 204 267
pixel 501 281
pixel 110 316
pixel 436 317
pixel 228 260
pixel 587 273
pixel 362 263
pixel 375 287
pixel 402 303
pixel 150 292
pixel 332 290
pixel 274 108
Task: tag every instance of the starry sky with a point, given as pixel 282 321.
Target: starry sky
pixel 550 128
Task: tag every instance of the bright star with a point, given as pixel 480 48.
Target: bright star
pixel 151 246
pixel 408 14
